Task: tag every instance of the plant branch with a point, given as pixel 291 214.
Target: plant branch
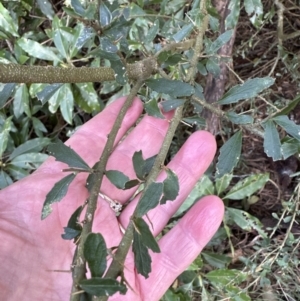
pixel 79 260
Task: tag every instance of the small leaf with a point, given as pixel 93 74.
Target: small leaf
pixel 142 167
pixel 5 179
pixel 175 88
pixel 88 100
pixel 102 286
pixel 239 119
pixel 195 120
pixel 230 154
pixel 117 178
pixel 149 199
pixel 142 259
pixel 218 261
pixel 225 276
pixel 231 20
pixel 171 187
pixel 46 8
pixel 6 92
pixel 48 92
pixel 4 134
pixel 56 194
pixel 107 46
pixel 73 230
pixel 70 233
pixel 78 8
pixel 21 101
pixel 247 187
pixel 248 89
pixel 213 66
pixel 95 253
pixel 7 24
pixel 146 236
pixel 66 102
pixel 131 183
pixel 104 14
pixel 272 145
pixel 222 183
pixel 172 104
pixel 65 154
pixel 219 42
pixel 152 32
pixel 289 126
pixel 120 72
pixel 291 106
pixel 152 109
pixel 183 32
pixel 290 147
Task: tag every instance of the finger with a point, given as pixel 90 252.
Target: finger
pixel 181 245
pixel 189 164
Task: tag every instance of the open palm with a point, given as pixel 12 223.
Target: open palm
pixel 35 259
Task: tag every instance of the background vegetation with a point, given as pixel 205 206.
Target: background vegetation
pixel 245 91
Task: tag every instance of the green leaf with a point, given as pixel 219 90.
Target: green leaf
pixel 219 42
pixel 290 147
pixel 81 37
pixel 107 46
pixel 74 227
pixel 6 92
pixel 172 104
pixel 21 101
pixel 120 72
pixel 146 237
pixel 35 49
pixel 218 261
pixel 89 100
pixel 152 32
pixel 142 259
pixel 149 199
pixel 152 109
pixel 195 120
pixel 70 233
pixel 56 194
pixel 254 8
pixel 132 183
pixel 7 24
pixel 171 187
pixel 230 154
pixel 48 92
pixel 61 42
pixel 38 126
pixel 183 32
pixel 224 276
pixel 291 106
pixel 29 161
pixel 213 66
pixel 231 20
pixel 117 178
pixel 46 8
pixel 272 145
pixel 249 89
pixel 247 187
pixel 289 126
pixel 78 8
pixel 5 179
pixel 239 119
pixel 175 88
pixel 142 167
pixel 102 286
pixel 4 134
pixel 222 183
pixel 65 95
pixel 245 221
pixel 104 14
pixel 65 154
pixel 95 253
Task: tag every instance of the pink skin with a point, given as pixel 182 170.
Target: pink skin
pixel 31 249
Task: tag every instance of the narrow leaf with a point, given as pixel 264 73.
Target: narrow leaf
pixel 149 199
pixel 4 134
pixel 222 183
pixel 102 286
pixel 152 109
pixel 7 24
pixel 117 178
pixel 74 227
pixel 56 194
pixel 171 187
pixel 78 8
pixel 142 259
pixel 95 253
pixel 247 187
pixel 175 88
pixel 219 42
pixel 104 14
pixel 6 92
pixel 183 32
pixel 231 20
pixel 48 92
pixel 229 155
pixel 172 104
pixel 225 276
pixel 65 154
pixel 239 119
pixel 272 145
pixel 248 89
pixel 218 261
pixel 146 236
pixel 289 126
pixel 131 183
pixel 46 8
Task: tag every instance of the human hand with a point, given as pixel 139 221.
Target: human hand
pixel 32 249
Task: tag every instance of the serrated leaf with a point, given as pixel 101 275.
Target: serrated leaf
pixel 247 187
pixel 171 187
pixel 149 199
pixel 152 109
pixel 95 253
pixel 65 154
pixel 219 42
pixel 7 24
pixel 117 178
pixel 37 50
pixel 222 183
pixel 244 220
pixel 230 154
pixel 56 194
pixel 104 14
pixel 183 32
pixel 48 92
pixel 102 286
pixel 172 104
pixel 239 119
pixel 147 238
pixel 175 88
pixel 218 261
pixel 46 8
pixel 289 126
pixel 142 259
pixel 272 145
pixel 4 134
pixel 6 92
pixel 249 89
pixel 231 20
